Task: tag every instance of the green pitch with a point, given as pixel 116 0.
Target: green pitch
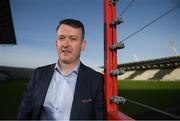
pixel 10 96
pixel 131 84
pixel 158 94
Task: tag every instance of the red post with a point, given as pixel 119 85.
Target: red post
pixel 110 61
pixel 110 57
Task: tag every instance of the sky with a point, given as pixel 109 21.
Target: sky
pixel 35 23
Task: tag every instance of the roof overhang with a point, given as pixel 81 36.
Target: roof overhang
pixel 7 33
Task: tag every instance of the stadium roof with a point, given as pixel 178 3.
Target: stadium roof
pixel 7 33
pixel 159 63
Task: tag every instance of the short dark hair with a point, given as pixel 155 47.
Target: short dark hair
pixel 73 23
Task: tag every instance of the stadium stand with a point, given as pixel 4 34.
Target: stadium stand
pixel 11 73
pixel 167 68
pixel 164 69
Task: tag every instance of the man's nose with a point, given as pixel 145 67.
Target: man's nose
pixel 66 42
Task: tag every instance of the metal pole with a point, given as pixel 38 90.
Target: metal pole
pixel 110 57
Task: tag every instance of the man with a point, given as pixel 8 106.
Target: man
pixel 67 90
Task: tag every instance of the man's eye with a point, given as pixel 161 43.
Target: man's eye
pixel 61 38
pixel 73 38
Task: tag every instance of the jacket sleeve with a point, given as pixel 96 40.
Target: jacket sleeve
pixel 25 108
pixel 100 106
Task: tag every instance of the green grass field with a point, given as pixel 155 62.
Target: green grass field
pixel 161 95
pixel 10 93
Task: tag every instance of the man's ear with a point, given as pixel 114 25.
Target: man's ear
pixel 56 44
pixel 83 45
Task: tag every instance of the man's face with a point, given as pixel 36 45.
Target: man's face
pixel 69 44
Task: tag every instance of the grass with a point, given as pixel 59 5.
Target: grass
pixel 161 95
pixel 148 85
pixel 10 93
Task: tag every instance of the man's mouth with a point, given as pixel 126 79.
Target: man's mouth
pixel 66 51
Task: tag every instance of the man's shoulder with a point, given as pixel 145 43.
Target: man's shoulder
pixel 90 71
pixel 91 76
